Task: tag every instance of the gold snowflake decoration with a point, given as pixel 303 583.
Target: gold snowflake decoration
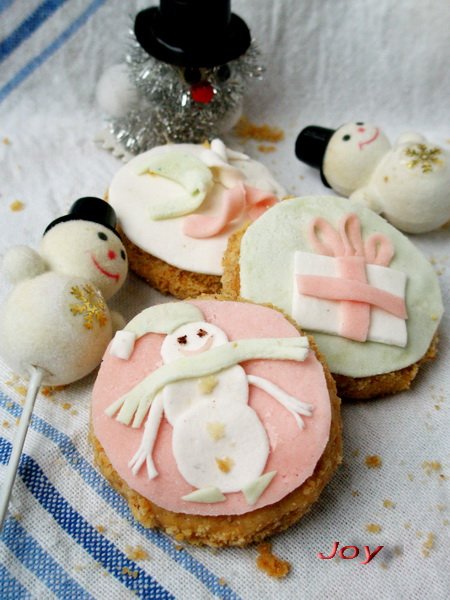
pixel 424 157
pixel 91 305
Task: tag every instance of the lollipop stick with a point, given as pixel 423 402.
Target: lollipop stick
pixel 19 439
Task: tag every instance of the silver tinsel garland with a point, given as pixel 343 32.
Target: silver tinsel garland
pixel 165 111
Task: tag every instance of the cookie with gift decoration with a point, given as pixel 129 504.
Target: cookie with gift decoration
pixel 216 420
pixel 178 204
pixel 55 324
pixel 408 183
pixel 184 77
pixel 366 293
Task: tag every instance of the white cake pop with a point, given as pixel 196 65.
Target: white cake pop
pixel 408 183
pixel 55 324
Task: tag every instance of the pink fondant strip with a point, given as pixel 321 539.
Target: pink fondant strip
pixel 234 202
pixel 333 288
pixel 354 316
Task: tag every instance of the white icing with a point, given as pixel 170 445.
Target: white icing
pixel 131 195
pixel 164 318
pixel 243 449
pixel 324 315
pixel 122 344
pixel 190 339
pixel 144 452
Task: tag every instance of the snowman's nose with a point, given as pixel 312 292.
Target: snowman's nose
pixel 361 129
pixel 111 254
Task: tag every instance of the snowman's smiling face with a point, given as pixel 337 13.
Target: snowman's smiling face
pixel 86 249
pixel 191 339
pixel 351 155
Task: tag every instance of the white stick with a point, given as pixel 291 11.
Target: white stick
pixel 19 439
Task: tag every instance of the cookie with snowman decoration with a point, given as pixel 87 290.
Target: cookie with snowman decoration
pixel 216 419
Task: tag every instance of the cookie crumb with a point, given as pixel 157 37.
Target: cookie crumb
pixel 137 553
pixel 6 424
pixel 222 581
pixel 388 504
pixel 126 571
pixel 355 453
pixel 66 405
pixel 271 564
pixel 428 544
pixel 355 493
pixel 373 528
pixel 245 129
pixel 6 141
pixel 100 528
pixel 17 206
pixel 430 466
pixel 373 461
pixel 266 149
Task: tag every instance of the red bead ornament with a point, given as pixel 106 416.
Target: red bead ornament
pixel 202 92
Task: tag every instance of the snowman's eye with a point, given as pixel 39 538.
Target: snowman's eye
pixel 123 255
pixel 192 75
pixel 346 137
pixel 223 73
pixel 182 339
pixel 360 123
pixel 201 333
pixel 102 235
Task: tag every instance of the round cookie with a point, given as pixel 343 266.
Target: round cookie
pixel 177 206
pixel 220 424
pixel 370 298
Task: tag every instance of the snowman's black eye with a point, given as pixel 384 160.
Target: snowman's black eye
pixel 182 339
pixel 359 123
pixel 123 255
pixel 346 137
pixel 192 75
pixel 223 73
pixel 201 333
pixel 102 236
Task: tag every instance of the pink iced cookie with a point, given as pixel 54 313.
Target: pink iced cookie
pixel 256 412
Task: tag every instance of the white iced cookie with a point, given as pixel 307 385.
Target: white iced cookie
pixel 408 183
pixel 56 316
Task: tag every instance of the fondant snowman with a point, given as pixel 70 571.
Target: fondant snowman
pixel 408 183
pixel 56 317
pixel 218 442
pixel 183 80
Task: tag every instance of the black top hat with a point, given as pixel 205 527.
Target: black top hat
pixel 192 33
pixel 311 145
pixel 89 209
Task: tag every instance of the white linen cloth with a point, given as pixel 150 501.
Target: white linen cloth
pixel 69 534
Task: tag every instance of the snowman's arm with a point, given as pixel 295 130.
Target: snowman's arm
pixel 293 405
pixel 22 262
pixel 145 450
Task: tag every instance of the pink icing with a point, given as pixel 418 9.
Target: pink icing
pixel 294 452
pixel 235 201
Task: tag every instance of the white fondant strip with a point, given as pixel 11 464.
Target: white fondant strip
pixel 205 495
pixel 145 450
pixel 137 401
pixel 122 344
pixel 293 405
pixel 323 315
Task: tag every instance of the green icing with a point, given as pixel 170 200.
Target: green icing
pixel 190 173
pixel 266 272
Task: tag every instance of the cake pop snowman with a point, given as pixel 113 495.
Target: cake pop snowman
pixel 218 442
pixel 183 80
pixel 55 324
pixel 408 183
pixel 56 316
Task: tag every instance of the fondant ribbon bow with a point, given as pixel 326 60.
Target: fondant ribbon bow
pixel 235 201
pixel 351 287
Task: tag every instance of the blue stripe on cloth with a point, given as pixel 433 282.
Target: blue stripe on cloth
pixel 38 60
pixel 28 27
pixel 39 562
pixel 120 506
pixel 10 588
pixel 4 4
pixel 99 547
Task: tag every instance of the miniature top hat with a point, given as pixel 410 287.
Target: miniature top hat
pixel 311 145
pixel 89 209
pixel 192 33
